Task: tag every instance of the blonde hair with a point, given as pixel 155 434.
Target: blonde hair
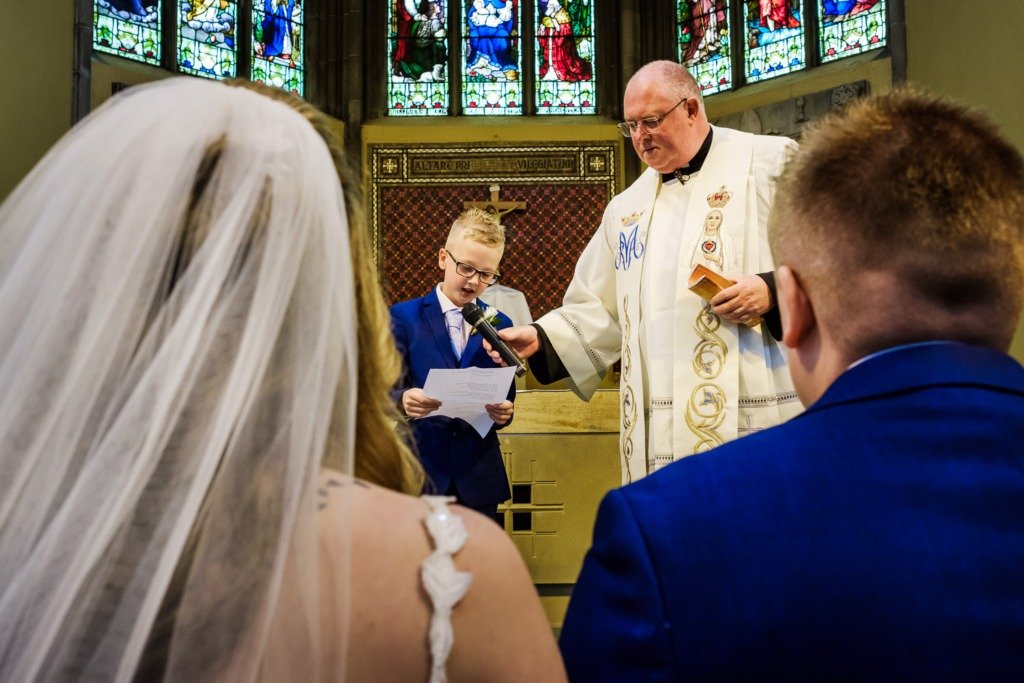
pixel 909 203
pixel 479 226
pixel 382 453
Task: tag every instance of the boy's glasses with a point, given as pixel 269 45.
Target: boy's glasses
pixel 467 271
pixel 628 128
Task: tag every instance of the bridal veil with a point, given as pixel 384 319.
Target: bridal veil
pixel 177 347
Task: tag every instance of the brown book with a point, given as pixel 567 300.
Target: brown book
pixel 706 283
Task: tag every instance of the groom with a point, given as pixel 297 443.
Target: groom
pixel 880 534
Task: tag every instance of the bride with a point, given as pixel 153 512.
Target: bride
pixel 194 364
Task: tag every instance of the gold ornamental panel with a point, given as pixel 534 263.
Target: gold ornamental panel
pixel 561 460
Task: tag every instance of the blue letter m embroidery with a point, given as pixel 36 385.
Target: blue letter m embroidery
pixel 629 248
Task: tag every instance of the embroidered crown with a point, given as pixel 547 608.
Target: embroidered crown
pixel 717 200
pixel 631 218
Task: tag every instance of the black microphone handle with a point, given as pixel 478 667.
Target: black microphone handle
pixel 510 357
pixel 476 319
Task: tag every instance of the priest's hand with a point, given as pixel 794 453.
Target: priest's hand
pixel 500 413
pixel 745 300
pixel 417 404
pixel 523 339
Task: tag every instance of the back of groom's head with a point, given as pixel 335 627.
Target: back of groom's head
pixel 901 219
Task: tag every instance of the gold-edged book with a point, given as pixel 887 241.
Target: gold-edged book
pixel 705 283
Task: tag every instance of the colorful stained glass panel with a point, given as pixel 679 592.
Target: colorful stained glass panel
pixel 418 55
pixel 127 28
pixel 206 38
pixel 704 46
pixel 564 65
pixel 278 57
pixel 849 27
pixel 492 59
pixel 775 38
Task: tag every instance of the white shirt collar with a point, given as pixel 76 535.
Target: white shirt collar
pixel 876 354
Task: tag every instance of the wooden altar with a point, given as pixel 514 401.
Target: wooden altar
pixel 562 456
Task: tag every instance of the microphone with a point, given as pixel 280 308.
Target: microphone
pixel 475 317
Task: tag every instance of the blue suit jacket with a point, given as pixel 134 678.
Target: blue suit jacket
pixel 450 449
pixel 877 536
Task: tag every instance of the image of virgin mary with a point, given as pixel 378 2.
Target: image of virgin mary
pixel 490 24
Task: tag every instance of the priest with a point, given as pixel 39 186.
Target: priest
pixel 694 374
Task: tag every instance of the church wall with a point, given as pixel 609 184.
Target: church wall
pixel 108 70
pixel 972 53
pixel 867 67
pixel 35 108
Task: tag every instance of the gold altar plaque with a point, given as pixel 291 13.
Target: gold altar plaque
pixel 562 456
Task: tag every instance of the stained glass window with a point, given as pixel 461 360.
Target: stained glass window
pixel 491 57
pixel 490 45
pixel 565 57
pixel 849 27
pixel 206 38
pixel 418 58
pixel 775 38
pixel 278 57
pixel 128 28
pixel 704 47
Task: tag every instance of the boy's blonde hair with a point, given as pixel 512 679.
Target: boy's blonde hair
pixel 479 226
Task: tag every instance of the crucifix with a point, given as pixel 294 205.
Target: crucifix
pixel 495 205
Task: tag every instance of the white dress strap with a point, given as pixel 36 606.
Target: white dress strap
pixel 443 583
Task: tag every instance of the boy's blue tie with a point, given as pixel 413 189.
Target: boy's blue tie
pixel 453 317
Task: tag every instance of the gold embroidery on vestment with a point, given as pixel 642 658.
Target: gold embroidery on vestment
pixel 628 400
pixel 710 352
pixel 632 218
pixel 705 413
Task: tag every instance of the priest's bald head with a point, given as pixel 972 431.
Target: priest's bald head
pixel 900 220
pixel 664 114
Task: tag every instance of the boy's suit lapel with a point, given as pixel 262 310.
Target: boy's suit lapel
pixel 434 320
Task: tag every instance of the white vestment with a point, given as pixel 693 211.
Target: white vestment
pixel 690 381
pixel 511 302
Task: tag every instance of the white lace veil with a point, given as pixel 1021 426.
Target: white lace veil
pixel 177 331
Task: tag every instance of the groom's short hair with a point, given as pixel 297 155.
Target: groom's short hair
pixel 916 199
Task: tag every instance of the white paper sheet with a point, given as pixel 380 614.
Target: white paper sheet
pixel 464 392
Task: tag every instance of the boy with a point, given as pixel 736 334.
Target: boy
pixel 430 333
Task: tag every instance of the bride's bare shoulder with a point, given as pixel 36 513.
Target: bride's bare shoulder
pixel 499 616
pixel 387 518
pixel 378 519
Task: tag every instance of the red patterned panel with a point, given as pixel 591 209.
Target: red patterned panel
pixel 544 241
pixel 414 223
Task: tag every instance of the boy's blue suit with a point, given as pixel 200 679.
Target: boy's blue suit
pixel 877 536
pixel 451 451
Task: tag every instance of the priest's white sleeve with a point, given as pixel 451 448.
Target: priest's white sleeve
pixel 585 331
